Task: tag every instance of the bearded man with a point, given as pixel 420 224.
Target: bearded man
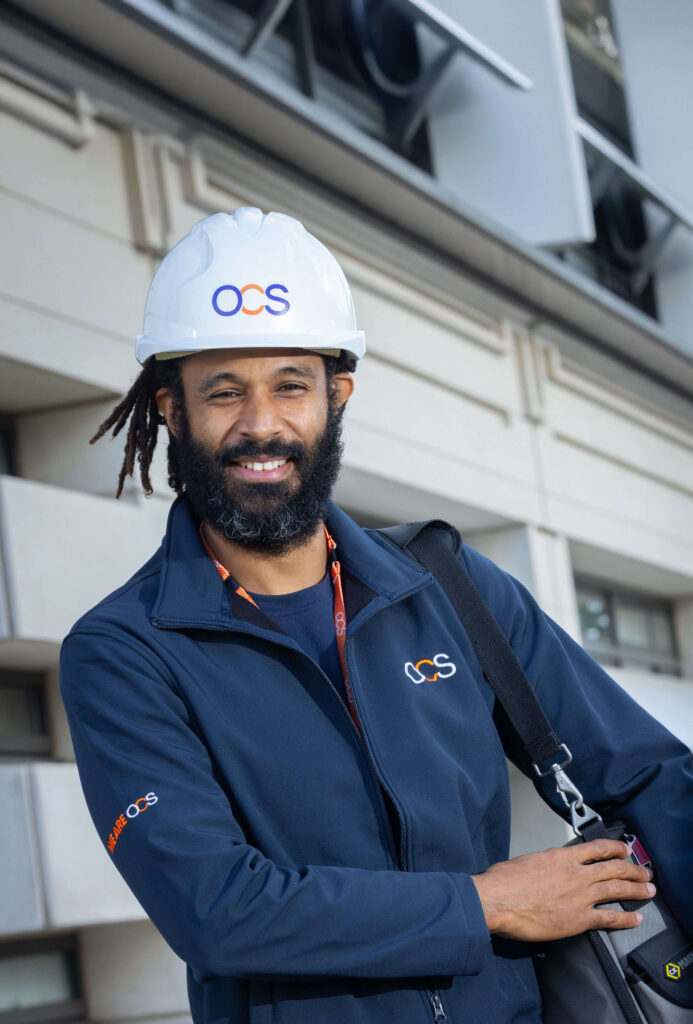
pixel 321 837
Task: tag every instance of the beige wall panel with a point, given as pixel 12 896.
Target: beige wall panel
pixel 84 361
pixel 82 886
pixel 189 194
pixel 87 184
pixel 64 551
pixel 644 448
pixel 533 825
pixel 131 973
pixel 540 560
pixel 53 448
pixel 431 420
pixel 56 265
pixel 669 699
pixel 407 331
pixel 683 622
pixel 610 506
pixel 442 482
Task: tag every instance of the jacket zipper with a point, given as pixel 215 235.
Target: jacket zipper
pixel 434 996
pixel 437 1005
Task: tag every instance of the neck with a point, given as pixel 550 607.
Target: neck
pixel 261 573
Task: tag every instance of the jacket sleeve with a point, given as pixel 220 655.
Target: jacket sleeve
pixel 221 905
pixel 626 764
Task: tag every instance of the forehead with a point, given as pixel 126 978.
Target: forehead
pixel 250 363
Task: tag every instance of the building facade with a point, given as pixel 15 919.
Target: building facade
pixel 510 193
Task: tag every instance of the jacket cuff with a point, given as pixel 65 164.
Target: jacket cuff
pixel 478 944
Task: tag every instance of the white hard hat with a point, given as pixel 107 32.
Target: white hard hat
pixel 248 279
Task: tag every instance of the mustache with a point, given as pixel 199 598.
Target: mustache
pixel 273 449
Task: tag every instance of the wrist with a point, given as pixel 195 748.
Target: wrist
pixel 494 913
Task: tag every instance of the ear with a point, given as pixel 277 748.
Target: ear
pixel 343 385
pixel 166 406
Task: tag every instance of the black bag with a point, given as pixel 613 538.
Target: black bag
pixel 630 976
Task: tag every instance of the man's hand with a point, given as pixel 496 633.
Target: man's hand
pixel 549 895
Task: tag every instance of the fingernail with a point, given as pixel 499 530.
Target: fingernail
pixel 651 889
pixel 649 872
pixel 638 917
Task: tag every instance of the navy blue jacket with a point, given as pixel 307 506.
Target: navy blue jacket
pixel 307 878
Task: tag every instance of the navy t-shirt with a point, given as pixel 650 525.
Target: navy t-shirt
pixel 308 616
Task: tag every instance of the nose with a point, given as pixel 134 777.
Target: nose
pixel 259 420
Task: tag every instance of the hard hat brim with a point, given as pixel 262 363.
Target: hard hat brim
pixel 171 348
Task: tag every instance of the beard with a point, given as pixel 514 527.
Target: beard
pixel 274 517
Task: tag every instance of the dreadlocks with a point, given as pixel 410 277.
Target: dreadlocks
pixel 140 408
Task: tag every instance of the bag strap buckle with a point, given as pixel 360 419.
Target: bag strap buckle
pixel 581 814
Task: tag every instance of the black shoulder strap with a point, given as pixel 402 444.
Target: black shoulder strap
pixel 432 544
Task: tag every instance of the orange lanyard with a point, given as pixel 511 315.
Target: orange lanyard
pixel 339 609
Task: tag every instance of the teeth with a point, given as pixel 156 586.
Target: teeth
pixel 261 467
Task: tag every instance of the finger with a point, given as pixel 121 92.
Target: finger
pixel 602 849
pixel 619 889
pixel 602 870
pixel 612 919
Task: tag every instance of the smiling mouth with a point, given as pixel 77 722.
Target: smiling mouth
pixel 262 469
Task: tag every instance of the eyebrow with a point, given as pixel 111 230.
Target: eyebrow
pixel 229 377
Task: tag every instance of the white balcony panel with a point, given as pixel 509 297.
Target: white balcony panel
pixel 21 902
pixel 63 551
pixel 510 154
pixel 655 44
pixel 81 884
pixel 111 953
pixel 56 873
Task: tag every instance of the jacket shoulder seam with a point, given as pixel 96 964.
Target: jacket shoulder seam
pixel 140 649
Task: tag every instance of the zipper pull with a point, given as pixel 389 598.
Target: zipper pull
pixel 437 1005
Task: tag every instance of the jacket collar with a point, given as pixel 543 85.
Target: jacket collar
pixel 193 595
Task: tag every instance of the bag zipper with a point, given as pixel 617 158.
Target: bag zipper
pixel 619 986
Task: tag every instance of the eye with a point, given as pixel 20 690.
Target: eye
pixel 291 386
pixel 224 394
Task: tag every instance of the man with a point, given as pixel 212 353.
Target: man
pixel 320 836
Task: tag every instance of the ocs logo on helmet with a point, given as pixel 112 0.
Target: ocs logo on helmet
pixel 445 668
pixel 229 300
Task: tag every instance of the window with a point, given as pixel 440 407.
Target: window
pixel 627 629
pixel 39 982
pixel 596 69
pixel 621 230
pixel 357 57
pixel 23 725
pixel 6 445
